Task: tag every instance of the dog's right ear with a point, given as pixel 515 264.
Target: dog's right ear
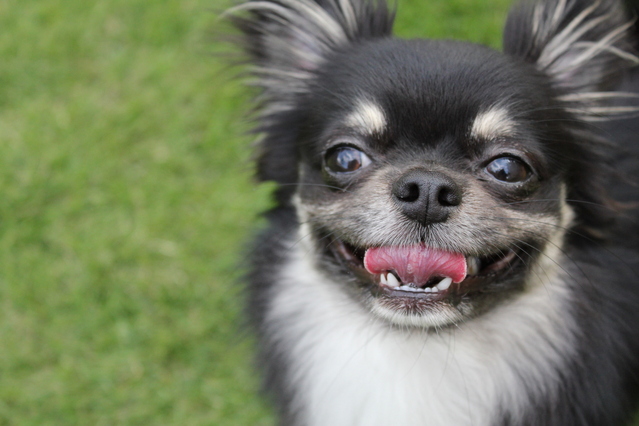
pixel 286 41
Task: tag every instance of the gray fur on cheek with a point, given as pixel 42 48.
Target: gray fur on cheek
pixel 368 217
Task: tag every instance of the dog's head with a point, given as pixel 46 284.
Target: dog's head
pixel 434 177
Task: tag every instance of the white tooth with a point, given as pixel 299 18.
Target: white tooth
pixel 408 288
pixel 444 284
pixel 472 265
pixel 392 280
pixel 428 290
pixel 382 279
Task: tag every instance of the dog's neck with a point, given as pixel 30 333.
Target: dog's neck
pixel 347 368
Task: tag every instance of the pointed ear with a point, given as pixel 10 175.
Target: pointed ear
pixel 582 45
pixel 286 41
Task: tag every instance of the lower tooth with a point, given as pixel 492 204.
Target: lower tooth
pixel 392 280
pixel 444 284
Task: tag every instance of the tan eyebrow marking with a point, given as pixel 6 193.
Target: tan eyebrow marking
pixel 493 123
pixel 367 117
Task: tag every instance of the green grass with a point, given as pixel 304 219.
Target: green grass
pixel 125 199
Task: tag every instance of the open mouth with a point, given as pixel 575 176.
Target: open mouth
pixel 425 274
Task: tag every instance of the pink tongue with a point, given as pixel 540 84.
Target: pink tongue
pixel 416 264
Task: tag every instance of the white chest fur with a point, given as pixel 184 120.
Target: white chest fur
pixel 348 368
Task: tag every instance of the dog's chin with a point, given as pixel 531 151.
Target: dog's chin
pixel 455 289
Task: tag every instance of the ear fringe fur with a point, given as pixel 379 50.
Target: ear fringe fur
pixel 287 40
pixel 582 45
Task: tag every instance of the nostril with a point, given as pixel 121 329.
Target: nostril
pixel 449 197
pixel 408 192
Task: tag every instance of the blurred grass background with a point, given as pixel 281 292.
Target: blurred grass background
pixel 125 200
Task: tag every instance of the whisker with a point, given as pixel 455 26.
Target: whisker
pixel 535 272
pixel 578 234
pixel 545 200
pixel 555 261
pixel 315 184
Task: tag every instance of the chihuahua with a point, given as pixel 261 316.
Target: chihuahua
pixel 454 240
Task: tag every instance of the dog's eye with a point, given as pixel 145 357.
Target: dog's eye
pixel 508 169
pixel 346 160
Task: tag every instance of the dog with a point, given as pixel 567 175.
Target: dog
pixel 454 241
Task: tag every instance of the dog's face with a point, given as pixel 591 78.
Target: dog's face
pixel 427 183
pixel 433 179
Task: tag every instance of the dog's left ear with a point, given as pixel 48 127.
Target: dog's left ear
pixel 580 44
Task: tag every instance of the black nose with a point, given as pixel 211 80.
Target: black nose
pixel 425 196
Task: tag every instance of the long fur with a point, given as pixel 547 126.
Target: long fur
pixel 286 41
pixel 556 345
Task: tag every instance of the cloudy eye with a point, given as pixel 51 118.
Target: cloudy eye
pixel 509 169
pixel 346 160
